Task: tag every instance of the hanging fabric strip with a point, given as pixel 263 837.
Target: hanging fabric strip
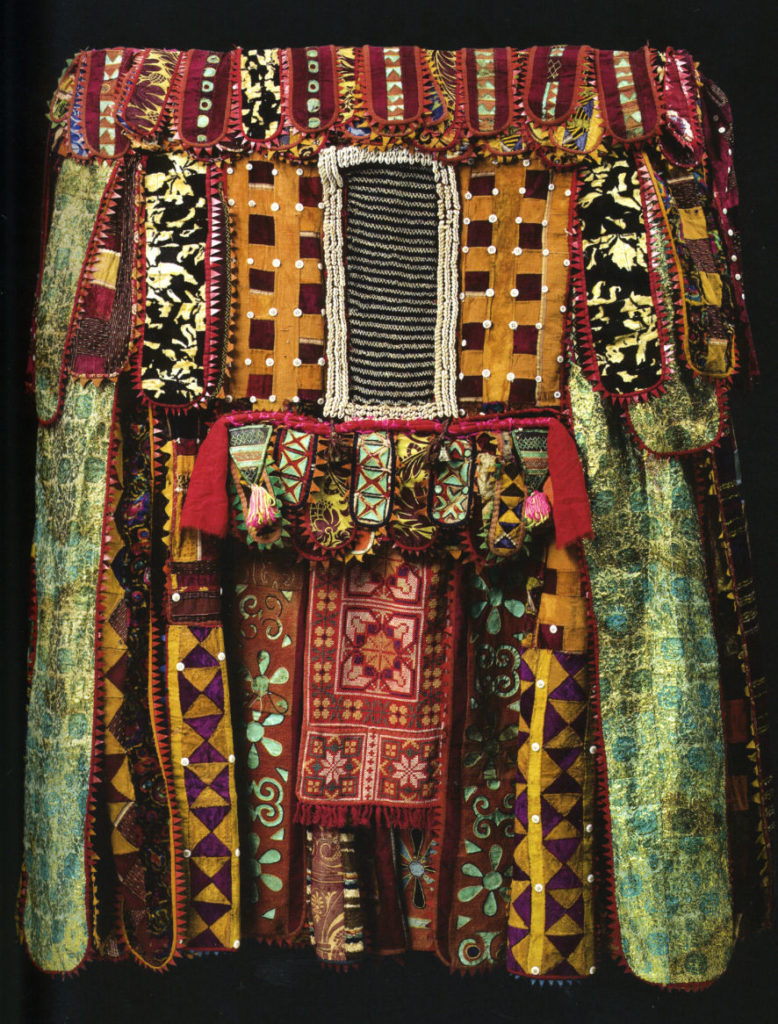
pixel 748 724
pixel 81 191
pixel 103 312
pixel 628 92
pixel 334 905
pixel 145 93
pixel 102 133
pixel 618 330
pixel 550 926
pixel 70 501
pixel 488 89
pixel 138 787
pixel 662 754
pixel 260 94
pixel 500 617
pixel 552 82
pixel 264 623
pixel 313 87
pixel 392 84
pixel 278 340
pixel 200 727
pixel 204 97
pixel 186 308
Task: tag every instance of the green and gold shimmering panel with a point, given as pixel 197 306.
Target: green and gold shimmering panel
pixel 72 460
pixel 659 704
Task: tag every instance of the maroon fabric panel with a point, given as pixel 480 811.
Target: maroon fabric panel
pixel 313 78
pixel 609 93
pixel 310 353
pixel 504 88
pixel 310 247
pixel 471 90
pixel 481 184
pixel 375 75
pixel 412 86
pixel 538 77
pixel 525 340
pixel 640 62
pixel 378 106
pixel 474 334
pixel 91 109
pixel 199 88
pixel 568 80
pixel 262 334
pixel 536 81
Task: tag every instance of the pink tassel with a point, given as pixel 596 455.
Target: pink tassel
pixel 536 508
pixel 262 508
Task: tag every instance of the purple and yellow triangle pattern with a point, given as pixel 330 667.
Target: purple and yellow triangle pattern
pixel 550 930
pixel 204 767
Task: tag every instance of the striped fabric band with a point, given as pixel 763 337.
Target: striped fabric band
pixel 390 245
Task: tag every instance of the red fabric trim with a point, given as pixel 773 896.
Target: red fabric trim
pixel 648 101
pixel 188 99
pixel 299 78
pixel 207 507
pixel 572 60
pixel 572 515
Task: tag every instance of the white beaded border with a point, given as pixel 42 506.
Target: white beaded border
pixel 337 402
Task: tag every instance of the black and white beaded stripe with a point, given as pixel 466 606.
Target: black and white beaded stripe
pixel 391 262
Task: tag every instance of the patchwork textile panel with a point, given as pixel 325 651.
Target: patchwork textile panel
pixel 391 579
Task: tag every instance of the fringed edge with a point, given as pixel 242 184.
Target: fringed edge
pixel 220 285
pixel 334 816
pixel 653 220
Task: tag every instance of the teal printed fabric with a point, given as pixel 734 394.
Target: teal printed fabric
pixel 71 477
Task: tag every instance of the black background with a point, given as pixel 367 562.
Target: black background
pixel 737 45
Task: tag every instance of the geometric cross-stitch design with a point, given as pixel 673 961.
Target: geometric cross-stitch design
pixel 278 341
pixel 371 494
pixel 514 270
pixel 378 663
pixel 550 929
